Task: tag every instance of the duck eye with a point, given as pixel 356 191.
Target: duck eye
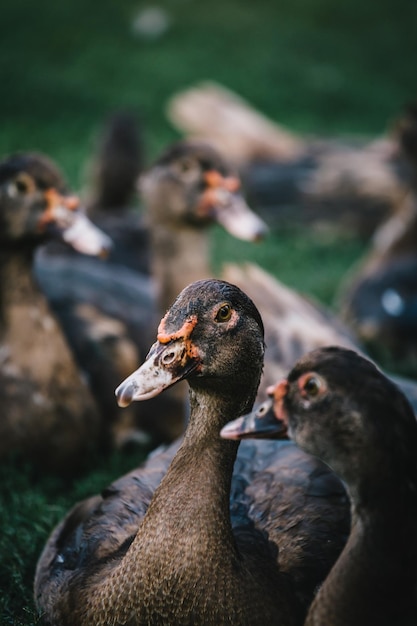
pixel 20 185
pixel 224 313
pixel 313 386
pixel 186 166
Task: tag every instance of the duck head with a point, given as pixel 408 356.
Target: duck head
pixel 338 406
pixel 192 184
pixel 35 206
pixel 213 332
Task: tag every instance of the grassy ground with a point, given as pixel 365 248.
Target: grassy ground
pixel 318 66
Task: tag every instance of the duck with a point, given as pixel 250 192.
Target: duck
pixel 102 306
pixel 190 187
pixel 337 405
pixel 49 415
pixel 196 535
pixel 377 299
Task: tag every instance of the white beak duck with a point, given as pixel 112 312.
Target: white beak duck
pixel 48 415
pixel 196 536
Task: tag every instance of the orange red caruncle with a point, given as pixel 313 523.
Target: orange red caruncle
pixel 278 392
pixel 183 333
pixel 216 186
pixel 53 200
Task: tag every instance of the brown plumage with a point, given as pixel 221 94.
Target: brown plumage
pixel 341 408
pixel 48 414
pixel 193 537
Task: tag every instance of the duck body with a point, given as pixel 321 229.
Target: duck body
pixel 378 298
pixel 99 531
pixel 338 406
pixel 49 415
pixel 381 307
pixel 106 313
pixel 337 186
pixel 192 536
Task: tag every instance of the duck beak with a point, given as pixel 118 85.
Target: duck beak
pixel 224 203
pixel 262 423
pixel 165 365
pixel 238 219
pixel 64 218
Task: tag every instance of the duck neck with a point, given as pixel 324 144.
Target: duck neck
pixel 180 256
pixel 18 289
pixel 185 541
pixel 203 463
pixel 374 580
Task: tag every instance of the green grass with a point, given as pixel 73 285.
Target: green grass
pixel 317 66
pixel 30 506
pixel 314 268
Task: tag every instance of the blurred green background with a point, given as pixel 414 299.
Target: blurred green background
pixel 320 67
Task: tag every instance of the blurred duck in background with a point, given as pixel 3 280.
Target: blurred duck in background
pixel 332 185
pixel 48 414
pixel 378 300
pixel 183 192
pixel 107 310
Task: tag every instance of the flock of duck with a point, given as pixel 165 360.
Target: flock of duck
pixel 301 512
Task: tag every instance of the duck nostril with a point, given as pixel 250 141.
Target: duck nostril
pixel 168 358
